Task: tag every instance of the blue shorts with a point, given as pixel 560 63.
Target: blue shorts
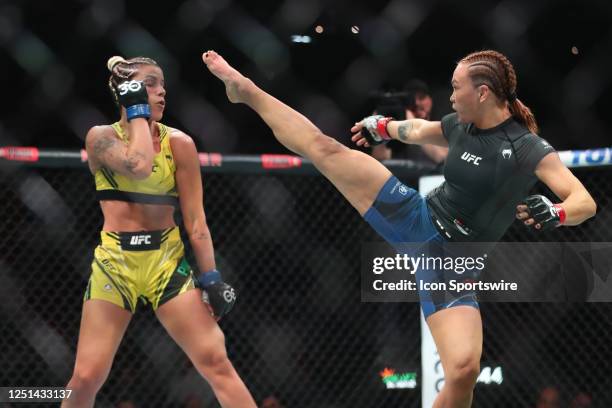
pixel 400 215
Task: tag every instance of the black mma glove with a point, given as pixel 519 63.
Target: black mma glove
pixel 544 212
pixel 218 294
pixel 375 129
pixel 133 96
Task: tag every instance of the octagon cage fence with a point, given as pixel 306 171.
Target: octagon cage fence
pixel 290 244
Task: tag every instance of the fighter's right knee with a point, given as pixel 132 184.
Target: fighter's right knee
pixel 323 146
pixel 87 381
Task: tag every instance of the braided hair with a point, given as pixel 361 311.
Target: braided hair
pixel 493 69
pixel 122 70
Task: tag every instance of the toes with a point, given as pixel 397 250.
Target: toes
pixel 208 56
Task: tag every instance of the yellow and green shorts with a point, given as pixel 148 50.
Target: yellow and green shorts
pixel 146 265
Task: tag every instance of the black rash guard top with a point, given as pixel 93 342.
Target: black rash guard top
pixel 488 172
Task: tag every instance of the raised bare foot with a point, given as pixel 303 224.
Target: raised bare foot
pixel 235 83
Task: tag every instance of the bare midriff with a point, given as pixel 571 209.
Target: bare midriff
pixel 122 216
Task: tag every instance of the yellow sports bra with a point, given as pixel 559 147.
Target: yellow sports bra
pixel 158 188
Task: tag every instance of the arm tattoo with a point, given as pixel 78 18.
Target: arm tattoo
pixel 404 131
pixel 102 145
pixel 105 143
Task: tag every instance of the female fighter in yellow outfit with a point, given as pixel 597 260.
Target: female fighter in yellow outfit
pixel 143 169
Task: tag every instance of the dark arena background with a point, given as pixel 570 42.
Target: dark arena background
pixel 284 237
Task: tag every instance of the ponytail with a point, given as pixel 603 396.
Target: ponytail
pixel 524 115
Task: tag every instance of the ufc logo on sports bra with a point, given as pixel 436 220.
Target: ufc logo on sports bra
pixel 140 239
pixel 470 158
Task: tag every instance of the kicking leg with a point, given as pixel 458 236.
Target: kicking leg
pixel 358 176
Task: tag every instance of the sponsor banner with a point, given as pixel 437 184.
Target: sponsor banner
pixel 246 163
pixel 587 158
pixel 280 161
pixel 22 154
pixel 210 159
pixel 394 379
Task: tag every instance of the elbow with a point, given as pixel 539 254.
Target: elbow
pixel 588 208
pixel 140 169
pixel 592 207
pixel 196 227
pixel 141 174
pixel 199 235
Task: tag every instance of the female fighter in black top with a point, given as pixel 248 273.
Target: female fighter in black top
pixel 494 158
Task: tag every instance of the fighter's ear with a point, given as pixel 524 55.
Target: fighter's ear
pixel 483 92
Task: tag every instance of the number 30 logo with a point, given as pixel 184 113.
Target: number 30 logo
pixel 129 86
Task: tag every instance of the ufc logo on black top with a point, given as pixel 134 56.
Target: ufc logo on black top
pixel 129 86
pixel 469 157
